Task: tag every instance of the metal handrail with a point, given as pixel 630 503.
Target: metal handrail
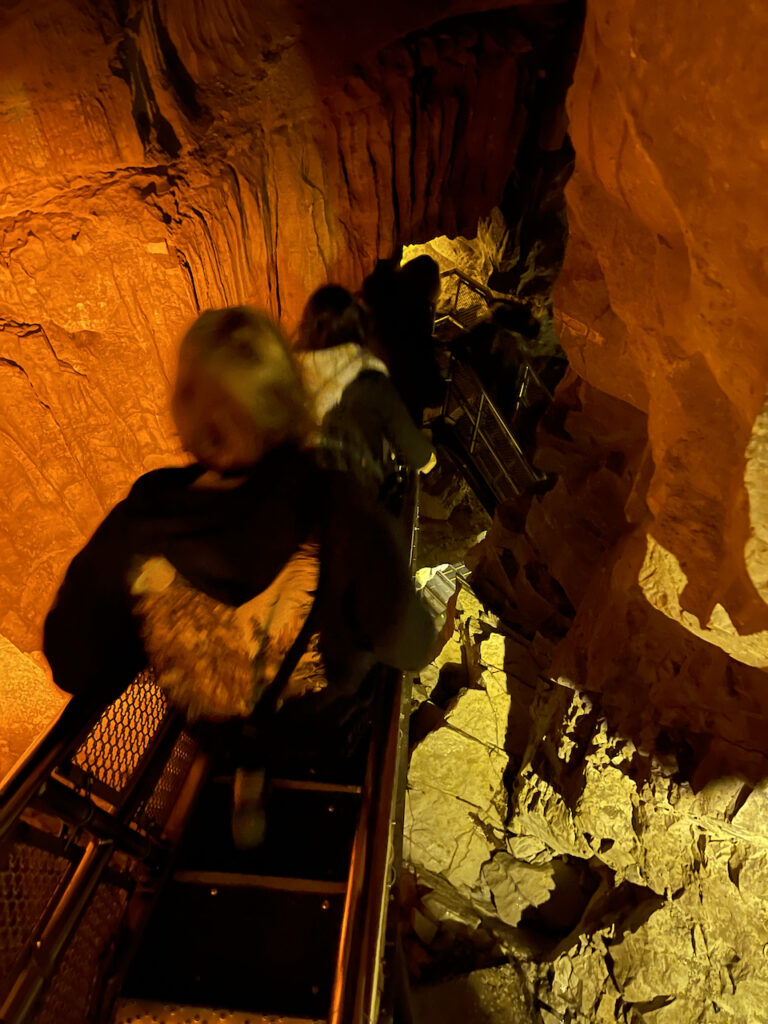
pixel 376 852
pixel 526 369
pixel 49 946
pixel 358 980
pixel 352 966
pixel 388 835
pixel 453 315
pixel 486 404
pixel 59 741
pixel 470 282
pixel 33 784
pixel 387 855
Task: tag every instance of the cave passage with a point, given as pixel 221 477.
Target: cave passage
pixel 583 790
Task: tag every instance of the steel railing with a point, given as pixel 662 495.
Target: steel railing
pixel 467 305
pixel 490 454
pixel 363 981
pixel 484 435
pixel 82 832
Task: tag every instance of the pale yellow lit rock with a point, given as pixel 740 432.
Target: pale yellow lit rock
pixel 718 798
pixel 442 836
pixel 474 714
pixel 484 713
pixel 662 581
pixel 516 886
pixel 605 810
pixel 581 979
pixel 492 652
pixel 469 606
pixel 529 849
pixel 756 483
pixel 541 812
pixel 658 957
pixel 462 768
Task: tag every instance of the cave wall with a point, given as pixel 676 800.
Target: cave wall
pixel 161 157
pixel 667 265
pixel 654 531
pixel 664 282
pixel 644 561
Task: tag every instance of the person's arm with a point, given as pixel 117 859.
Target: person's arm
pixel 379 393
pixel 90 637
pixel 396 623
pixel 409 642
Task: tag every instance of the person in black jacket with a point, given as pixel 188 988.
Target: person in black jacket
pixel 208 573
pixel 363 419
pixel 403 300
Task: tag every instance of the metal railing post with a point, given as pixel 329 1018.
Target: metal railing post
pixel 476 427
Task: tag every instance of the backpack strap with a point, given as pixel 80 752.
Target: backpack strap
pixel 271 697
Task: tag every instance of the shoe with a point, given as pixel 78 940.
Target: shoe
pixel 249 820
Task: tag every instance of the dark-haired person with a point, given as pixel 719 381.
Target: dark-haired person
pixel 403 301
pixel 361 414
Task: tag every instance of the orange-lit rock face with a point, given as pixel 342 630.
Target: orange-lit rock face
pixel 159 158
pixel 663 304
pixel 667 265
pixel 656 529
pixel 29 700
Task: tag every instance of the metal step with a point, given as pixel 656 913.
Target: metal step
pixel 144 1011
pixel 246 947
pixel 216 880
pixel 255 931
pixel 310 829
pixel 315 787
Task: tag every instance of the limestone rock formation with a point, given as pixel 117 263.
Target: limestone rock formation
pixel 664 292
pixel 645 556
pixel 675 931
pixel 619 886
pixel 642 561
pixel 456 837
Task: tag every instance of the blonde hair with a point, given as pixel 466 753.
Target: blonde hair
pixel 245 353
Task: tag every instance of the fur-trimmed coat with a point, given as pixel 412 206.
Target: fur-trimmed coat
pixel 210 587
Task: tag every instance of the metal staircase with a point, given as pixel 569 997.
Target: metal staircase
pixel 482 441
pixel 123 899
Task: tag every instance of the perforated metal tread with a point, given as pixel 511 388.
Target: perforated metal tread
pixel 115 747
pixel 140 1011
